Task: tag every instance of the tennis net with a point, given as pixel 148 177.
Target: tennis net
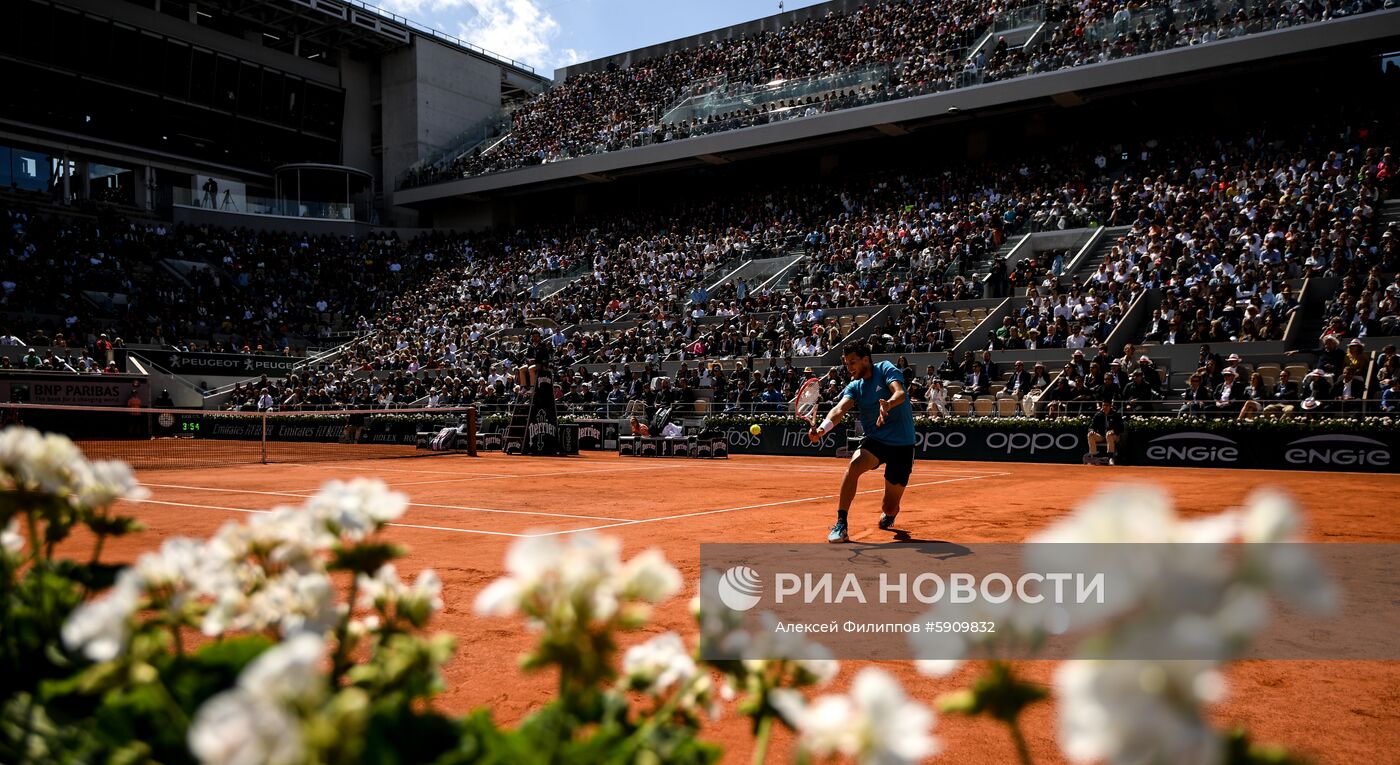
pixel 153 439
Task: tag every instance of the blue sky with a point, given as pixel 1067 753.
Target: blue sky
pixel 551 33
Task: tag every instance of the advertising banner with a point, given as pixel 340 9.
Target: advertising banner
pixel 1300 450
pixel 59 389
pixel 597 435
pixel 226 364
pixel 1055 445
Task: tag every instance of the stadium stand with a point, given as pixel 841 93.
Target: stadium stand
pixel 876 52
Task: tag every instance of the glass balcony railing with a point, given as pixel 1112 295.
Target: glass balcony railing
pixel 739 96
pixel 247 204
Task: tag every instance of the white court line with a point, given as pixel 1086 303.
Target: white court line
pixel 619 523
pixel 752 507
pixel 411 504
pixel 400 525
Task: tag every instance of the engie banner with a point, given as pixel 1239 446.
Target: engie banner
pixel 1377 452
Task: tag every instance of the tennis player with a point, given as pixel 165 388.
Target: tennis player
pixel 876 392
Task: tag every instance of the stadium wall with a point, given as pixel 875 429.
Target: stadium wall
pixel 430 94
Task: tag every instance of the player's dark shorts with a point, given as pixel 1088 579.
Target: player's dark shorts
pixel 898 460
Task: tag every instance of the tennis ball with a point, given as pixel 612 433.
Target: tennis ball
pixel 754 429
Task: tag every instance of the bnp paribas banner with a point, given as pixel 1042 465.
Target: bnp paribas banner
pixel 1051 444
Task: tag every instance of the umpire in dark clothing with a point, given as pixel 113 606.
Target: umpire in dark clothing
pixel 1107 427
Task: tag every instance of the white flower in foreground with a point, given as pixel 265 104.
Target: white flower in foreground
pixel 566 584
pixel 46 463
pixel 182 568
pixel 766 644
pixel 381 590
pixel 1138 712
pixel 427 588
pixel 1181 588
pixel 291 602
pixel 11 540
pixel 874 724
pixel 358 508
pixel 101 483
pixel 100 628
pixel 658 664
pixel 287 672
pixel 385 591
pixel 238 728
pixel 1019 628
pixel 650 577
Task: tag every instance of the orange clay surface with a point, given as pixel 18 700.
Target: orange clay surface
pixel 467 511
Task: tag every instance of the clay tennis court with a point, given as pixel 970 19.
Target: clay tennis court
pixel 466 512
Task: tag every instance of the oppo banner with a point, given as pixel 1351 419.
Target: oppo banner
pixel 1059 445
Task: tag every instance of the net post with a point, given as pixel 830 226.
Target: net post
pixel 471 431
pixel 264 436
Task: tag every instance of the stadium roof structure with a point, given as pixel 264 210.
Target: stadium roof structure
pixel 350 25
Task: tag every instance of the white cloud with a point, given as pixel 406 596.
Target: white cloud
pixel 518 29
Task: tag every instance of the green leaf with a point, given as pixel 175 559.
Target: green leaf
pixel 365 558
pixel 114 525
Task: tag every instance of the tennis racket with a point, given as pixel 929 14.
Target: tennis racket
pixel 809 398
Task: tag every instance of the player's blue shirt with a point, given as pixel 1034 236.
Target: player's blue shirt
pixel 898 429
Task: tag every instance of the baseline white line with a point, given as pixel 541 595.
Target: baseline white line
pixel 410 504
pixel 398 525
pixel 752 507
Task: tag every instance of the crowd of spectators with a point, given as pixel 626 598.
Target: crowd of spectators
pixel 1223 229
pixel 912 47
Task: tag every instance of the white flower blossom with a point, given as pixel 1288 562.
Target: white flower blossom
pixel 39 462
pixel 563 585
pixel 101 628
pixel 427 588
pixel 291 602
pixel 1138 712
pixel 876 723
pixel 658 664
pixel 100 483
pixel 650 577
pixel 381 590
pixel 288 672
pixel 11 539
pixel 238 728
pixel 358 508
pixel 183 568
pixel 767 644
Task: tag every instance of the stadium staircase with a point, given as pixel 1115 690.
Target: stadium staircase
pixel 1086 262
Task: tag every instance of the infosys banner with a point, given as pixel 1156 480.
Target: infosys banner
pixel 226 364
pixel 1056 445
pixel 1372 453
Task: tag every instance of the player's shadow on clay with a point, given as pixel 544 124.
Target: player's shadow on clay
pixel 935 548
